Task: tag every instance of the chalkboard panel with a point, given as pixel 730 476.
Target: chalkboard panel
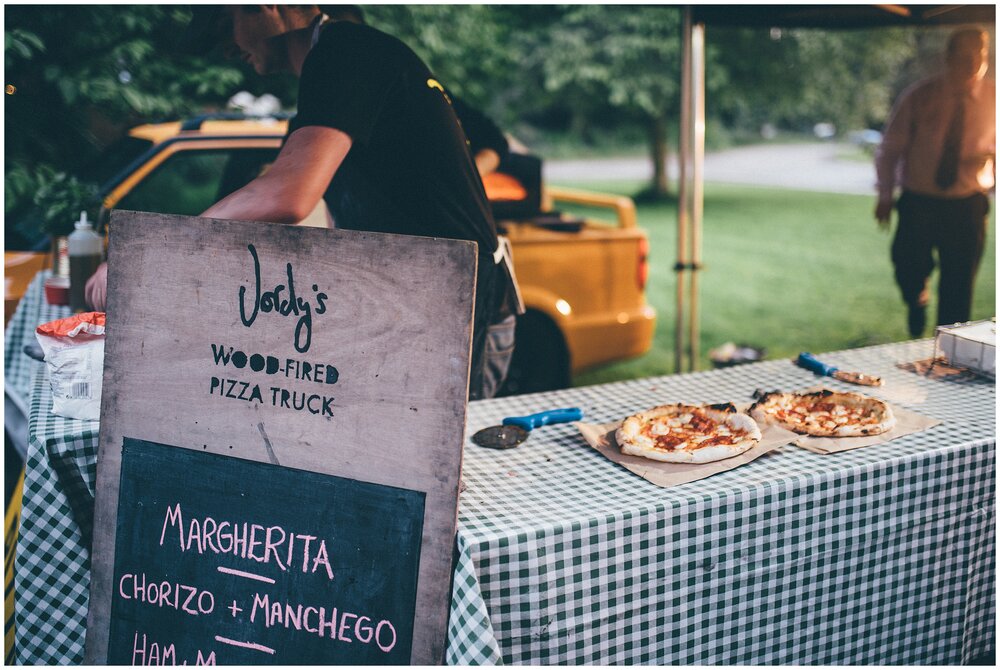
pixel 231 561
pixel 336 352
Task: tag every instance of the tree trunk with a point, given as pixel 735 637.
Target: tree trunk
pixel 578 124
pixel 660 151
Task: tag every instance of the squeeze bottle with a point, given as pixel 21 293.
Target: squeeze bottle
pixel 85 251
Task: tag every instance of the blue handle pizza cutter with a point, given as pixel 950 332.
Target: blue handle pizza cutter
pixel 810 362
pixel 515 429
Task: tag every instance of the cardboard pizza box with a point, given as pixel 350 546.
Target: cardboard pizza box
pixel 970 345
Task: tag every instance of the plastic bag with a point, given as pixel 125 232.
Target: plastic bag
pixel 74 354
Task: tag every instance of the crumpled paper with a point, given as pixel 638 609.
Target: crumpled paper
pixel 74 355
pixel 601 437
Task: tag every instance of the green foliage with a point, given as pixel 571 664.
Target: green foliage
pixel 601 68
pixel 796 78
pixel 598 66
pixel 21 44
pixel 464 45
pixel 850 73
pixel 83 74
pixel 59 199
pixel 46 201
pixel 628 57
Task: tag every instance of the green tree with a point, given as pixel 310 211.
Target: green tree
pixel 464 45
pixel 83 74
pixel 624 57
pixel 851 73
pixel 762 78
pixel 80 75
pixel 596 65
pixel 796 78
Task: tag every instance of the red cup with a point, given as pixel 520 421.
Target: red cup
pixel 57 290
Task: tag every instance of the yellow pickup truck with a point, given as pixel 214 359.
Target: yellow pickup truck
pixel 583 280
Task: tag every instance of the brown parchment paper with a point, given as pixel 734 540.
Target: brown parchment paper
pixel 938 368
pixel 601 437
pixel 907 423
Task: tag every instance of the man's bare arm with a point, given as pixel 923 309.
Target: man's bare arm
pixel 294 184
pixel 286 193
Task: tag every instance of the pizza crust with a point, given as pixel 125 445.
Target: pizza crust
pixel 638 435
pixel 825 413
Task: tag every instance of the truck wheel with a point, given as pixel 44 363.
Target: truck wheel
pixel 540 361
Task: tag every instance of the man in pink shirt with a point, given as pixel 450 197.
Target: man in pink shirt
pixel 939 146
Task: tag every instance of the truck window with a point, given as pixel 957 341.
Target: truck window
pixel 114 161
pixel 189 182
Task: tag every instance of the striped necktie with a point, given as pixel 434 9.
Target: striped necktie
pixel 947 169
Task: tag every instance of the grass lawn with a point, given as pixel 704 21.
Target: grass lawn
pixel 787 270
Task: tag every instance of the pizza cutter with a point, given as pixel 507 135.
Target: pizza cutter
pixel 809 362
pixel 515 429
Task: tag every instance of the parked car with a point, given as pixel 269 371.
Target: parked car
pixel 583 280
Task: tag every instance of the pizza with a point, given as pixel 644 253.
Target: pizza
pixel 688 433
pixel 825 413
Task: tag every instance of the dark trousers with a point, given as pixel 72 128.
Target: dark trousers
pixel 956 230
pixel 492 334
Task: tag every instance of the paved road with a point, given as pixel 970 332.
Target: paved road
pixel 811 167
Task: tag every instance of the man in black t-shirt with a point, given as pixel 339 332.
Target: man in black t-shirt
pixel 486 141
pixel 377 137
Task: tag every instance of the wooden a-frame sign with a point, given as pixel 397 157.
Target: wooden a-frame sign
pixel 281 444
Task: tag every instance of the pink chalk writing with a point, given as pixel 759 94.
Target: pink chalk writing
pixel 245 645
pixel 323 622
pixel 248 575
pixel 149 652
pixel 152 653
pixel 180 597
pixel 263 544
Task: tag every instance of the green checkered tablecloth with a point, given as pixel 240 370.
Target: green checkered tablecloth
pixel 883 555
pixel 51 573
pixel 19 369
pixel 880 555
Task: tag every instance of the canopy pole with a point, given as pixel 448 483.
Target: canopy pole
pixel 684 156
pixel 697 185
pixel 690 193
